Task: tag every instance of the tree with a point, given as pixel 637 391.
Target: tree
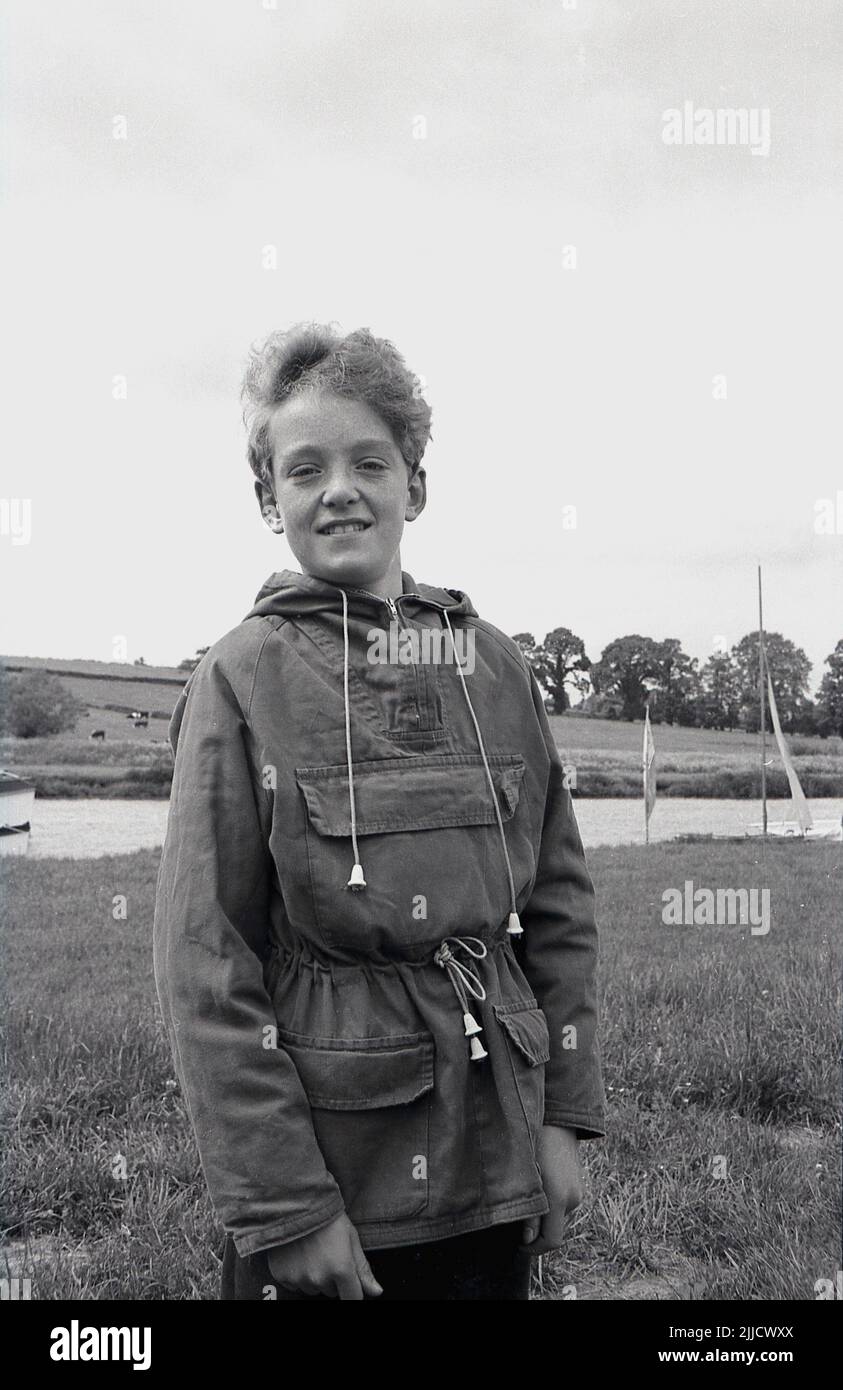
pixel 809 720
pixel 191 662
pixel 38 704
pixel 674 685
pixel 626 672
pixel 560 662
pixel 790 670
pixel 830 697
pixel 527 642
pixel 719 701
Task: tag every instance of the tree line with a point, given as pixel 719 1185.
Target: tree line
pixel 723 693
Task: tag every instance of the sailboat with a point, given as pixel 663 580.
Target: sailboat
pixel 804 826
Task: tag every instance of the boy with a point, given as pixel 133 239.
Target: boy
pixel 374 938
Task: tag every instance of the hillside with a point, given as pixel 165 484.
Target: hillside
pixel 111 690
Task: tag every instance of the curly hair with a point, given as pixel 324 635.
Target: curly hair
pixel 357 365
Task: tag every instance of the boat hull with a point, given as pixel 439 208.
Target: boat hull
pixel 17 808
pixel 791 830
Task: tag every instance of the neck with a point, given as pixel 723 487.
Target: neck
pixel 388 585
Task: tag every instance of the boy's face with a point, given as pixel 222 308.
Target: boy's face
pixel 342 489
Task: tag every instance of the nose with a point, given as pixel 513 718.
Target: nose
pixel 340 489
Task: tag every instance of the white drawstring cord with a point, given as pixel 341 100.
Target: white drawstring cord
pixel 463 978
pixel 514 925
pixel 357 881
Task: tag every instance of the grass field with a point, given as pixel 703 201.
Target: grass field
pixel 605 753
pixel 621 735
pixel 719 1178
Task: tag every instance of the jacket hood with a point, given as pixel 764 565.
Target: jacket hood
pixel 288 594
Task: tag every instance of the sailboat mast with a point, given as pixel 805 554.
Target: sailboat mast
pixel 763 707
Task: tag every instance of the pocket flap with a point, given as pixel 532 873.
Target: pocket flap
pixel 361 1073
pixel 527 1026
pixel 427 792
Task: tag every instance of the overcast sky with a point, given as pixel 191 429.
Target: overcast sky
pixel 295 127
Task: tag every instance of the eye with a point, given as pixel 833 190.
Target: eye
pixel 376 464
pixel 303 470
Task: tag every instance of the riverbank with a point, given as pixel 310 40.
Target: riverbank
pixel 602 759
pixel 588 781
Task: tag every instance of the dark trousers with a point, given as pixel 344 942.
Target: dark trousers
pixel 481 1264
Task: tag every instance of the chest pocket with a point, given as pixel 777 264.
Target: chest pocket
pixel 429 845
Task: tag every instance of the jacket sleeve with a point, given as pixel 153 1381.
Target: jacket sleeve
pixel 265 1173
pixel 558 953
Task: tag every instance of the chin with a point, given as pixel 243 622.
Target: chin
pixel 356 573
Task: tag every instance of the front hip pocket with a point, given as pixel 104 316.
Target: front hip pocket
pixel 528 1041
pixel 370 1100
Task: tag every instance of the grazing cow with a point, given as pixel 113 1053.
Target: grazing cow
pixel 97 733
pixel 141 723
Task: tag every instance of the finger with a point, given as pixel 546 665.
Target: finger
pixel 364 1270
pixel 348 1285
pixel 369 1283
pixel 552 1234
pixel 529 1232
pixel 289 1282
pixel 541 1247
pixel 328 1288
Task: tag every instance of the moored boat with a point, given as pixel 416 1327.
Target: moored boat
pixel 791 829
pixel 17 807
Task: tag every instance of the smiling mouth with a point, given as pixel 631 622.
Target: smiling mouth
pixel 343 528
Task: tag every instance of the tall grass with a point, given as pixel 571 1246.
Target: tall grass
pixel 717 1045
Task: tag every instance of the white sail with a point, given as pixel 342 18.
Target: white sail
pixel 647 761
pixel 803 813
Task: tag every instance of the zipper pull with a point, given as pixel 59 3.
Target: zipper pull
pixel 393 610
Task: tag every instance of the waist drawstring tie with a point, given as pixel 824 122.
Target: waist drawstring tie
pixel 465 981
pixel 514 926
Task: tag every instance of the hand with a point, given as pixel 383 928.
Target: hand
pixel 559 1161
pixel 329 1261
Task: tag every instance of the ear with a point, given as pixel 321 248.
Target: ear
pixel 268 506
pixel 416 495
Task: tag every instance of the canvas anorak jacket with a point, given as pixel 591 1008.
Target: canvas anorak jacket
pixel 389 1050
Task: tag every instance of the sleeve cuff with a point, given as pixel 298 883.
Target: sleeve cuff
pixel 587 1126
pixel 252 1242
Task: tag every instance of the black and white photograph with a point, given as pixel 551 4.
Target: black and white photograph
pixel 421 690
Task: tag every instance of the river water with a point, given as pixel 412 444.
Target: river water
pixel 84 829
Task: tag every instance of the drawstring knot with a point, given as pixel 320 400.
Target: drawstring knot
pixel 465 981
